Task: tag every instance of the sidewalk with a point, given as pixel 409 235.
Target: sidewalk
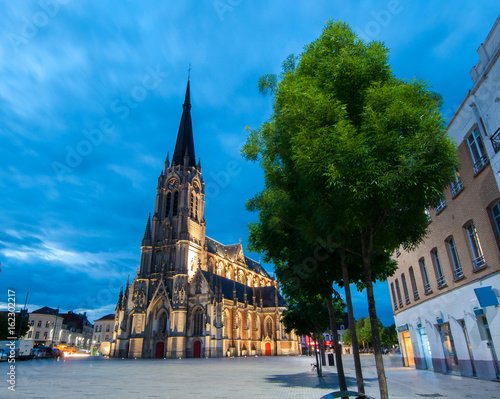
pixel 252 377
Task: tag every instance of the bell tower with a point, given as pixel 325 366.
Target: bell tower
pixel 174 241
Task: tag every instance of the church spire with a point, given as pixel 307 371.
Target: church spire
pixel 146 240
pixel 185 142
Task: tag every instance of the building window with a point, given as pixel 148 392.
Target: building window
pixel 405 288
pixel 440 206
pixel 428 214
pixel 45 335
pixel 394 300
pixel 269 328
pixel 439 269
pixel 475 246
pixel 455 260
pixel 39 323
pixel 30 333
pixel 398 291
pixel 47 324
pixel 477 150
pixel 456 185
pixel 176 203
pixel 425 276
pixel 167 205
pixel 414 283
pixel 495 212
pixel 198 322
pixel 398 252
pixel 107 328
pixel 37 335
pixel 225 325
pixel 191 205
pixel 196 209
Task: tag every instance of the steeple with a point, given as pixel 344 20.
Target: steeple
pixel 146 240
pixel 185 143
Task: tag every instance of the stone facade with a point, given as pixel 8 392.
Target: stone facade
pixel 193 296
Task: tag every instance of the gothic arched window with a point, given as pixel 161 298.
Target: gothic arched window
pixel 198 322
pixel 241 277
pixel 167 205
pixel 269 327
pixel 196 209
pixel 191 205
pixel 225 322
pixel 176 203
pixel 162 324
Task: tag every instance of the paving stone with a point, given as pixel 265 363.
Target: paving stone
pixel 251 377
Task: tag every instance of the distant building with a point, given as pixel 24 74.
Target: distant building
pixel 77 331
pixel 446 293
pixel 193 296
pixel 103 332
pixel 48 327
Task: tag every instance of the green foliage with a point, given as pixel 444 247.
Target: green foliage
pixel 389 336
pixel 351 153
pixel 306 315
pixel 352 156
pixel 309 314
pixel 346 337
pixel 4 326
pixel 267 83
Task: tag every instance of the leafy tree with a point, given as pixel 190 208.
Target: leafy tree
pixel 389 336
pixel 356 153
pixel 308 316
pixel 346 337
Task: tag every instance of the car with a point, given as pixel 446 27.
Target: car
pixel 38 353
pixel 4 355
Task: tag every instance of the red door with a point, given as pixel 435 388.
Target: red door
pixel 160 350
pixel 197 349
pixel 268 349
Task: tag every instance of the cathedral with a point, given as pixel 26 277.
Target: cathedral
pixel 193 296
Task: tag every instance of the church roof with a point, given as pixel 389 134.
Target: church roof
pixel 230 287
pixel 234 252
pixel 185 142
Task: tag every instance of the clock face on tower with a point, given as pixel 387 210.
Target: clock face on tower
pixel 171 183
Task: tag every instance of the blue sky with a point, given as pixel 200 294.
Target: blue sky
pixel 90 102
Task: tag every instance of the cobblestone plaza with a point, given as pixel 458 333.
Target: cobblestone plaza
pixel 251 377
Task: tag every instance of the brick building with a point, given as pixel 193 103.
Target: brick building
pixel 445 293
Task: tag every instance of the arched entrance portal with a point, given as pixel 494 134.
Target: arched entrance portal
pixel 197 349
pixel 268 349
pixel 160 350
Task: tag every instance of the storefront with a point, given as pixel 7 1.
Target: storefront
pixel 406 347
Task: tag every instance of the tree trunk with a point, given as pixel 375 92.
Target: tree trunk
pixel 323 357
pixel 352 326
pixel 318 363
pixel 336 346
pixel 379 361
